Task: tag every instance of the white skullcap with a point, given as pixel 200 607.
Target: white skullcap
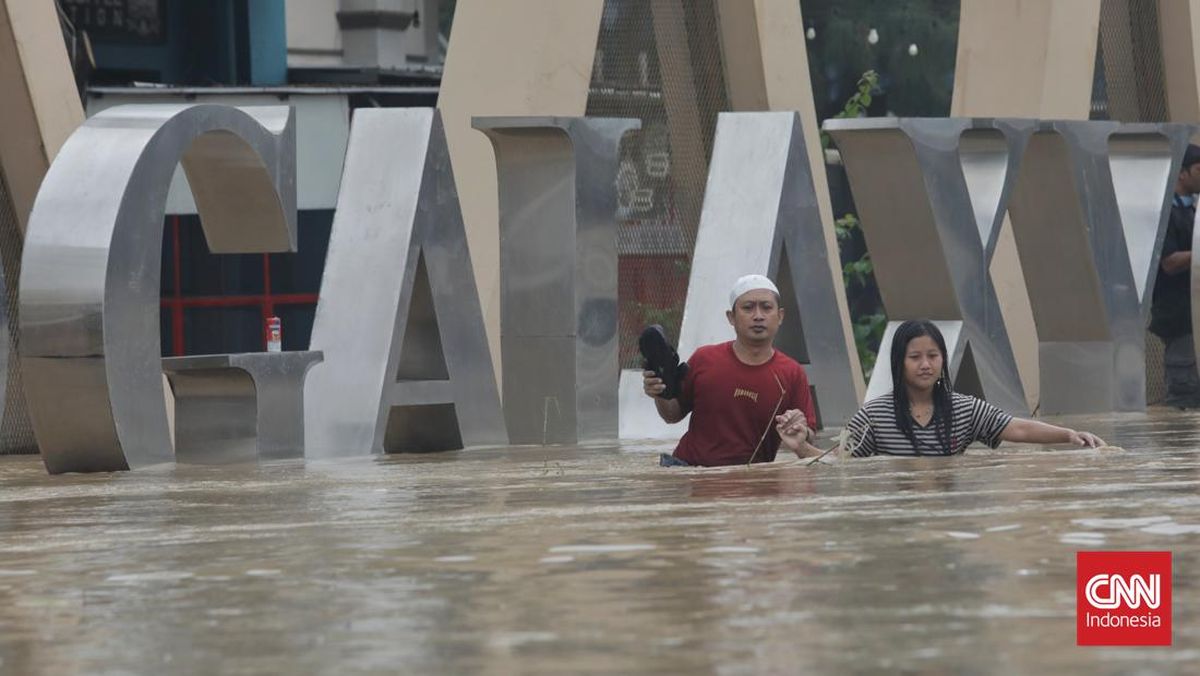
pixel 750 283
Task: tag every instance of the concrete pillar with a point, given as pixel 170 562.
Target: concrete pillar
pixel 508 58
pixel 1018 58
pixel 39 109
pixel 691 141
pixel 313 36
pixel 766 68
pixel 1179 29
pixel 40 106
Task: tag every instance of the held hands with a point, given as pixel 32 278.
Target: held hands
pixel 793 430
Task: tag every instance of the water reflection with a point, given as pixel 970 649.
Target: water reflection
pixel 564 559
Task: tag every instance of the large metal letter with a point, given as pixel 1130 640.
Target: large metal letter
pixel 1088 214
pixel 760 216
pixel 931 197
pixel 239 407
pixel 407 366
pixel 89 291
pixel 558 270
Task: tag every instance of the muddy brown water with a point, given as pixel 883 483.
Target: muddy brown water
pixel 594 560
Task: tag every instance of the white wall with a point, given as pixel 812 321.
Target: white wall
pixel 313 36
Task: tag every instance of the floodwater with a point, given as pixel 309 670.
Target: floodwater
pixel 565 560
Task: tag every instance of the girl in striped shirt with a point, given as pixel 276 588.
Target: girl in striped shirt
pixel 923 415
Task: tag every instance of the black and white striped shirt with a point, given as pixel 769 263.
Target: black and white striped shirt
pixel 873 429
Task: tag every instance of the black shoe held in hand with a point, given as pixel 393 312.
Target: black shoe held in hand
pixel 661 358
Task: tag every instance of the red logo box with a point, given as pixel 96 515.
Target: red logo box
pixel 1123 598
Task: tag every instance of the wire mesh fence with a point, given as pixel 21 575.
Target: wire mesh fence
pixel 16 431
pixel 1129 86
pixel 658 61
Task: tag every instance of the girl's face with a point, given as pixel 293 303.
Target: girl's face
pixel 922 363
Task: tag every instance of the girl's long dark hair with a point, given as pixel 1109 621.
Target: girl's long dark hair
pixel 943 391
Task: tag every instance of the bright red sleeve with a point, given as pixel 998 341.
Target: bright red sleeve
pixel 803 399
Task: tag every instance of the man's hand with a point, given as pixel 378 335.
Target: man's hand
pixel 1177 262
pixel 670 410
pixel 652 385
pixel 792 422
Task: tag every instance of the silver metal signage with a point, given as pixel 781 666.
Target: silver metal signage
pixel 406 362
pixel 931 195
pixel 89 288
pixel 407 365
pixel 1089 213
pixel 558 274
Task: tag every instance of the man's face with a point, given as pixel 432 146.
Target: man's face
pixel 755 317
pixel 1190 179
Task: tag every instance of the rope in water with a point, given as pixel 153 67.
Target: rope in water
pixel 775 412
pixel 842 445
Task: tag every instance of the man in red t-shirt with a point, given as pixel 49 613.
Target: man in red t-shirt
pixel 746 398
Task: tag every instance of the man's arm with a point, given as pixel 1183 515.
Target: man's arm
pixel 670 410
pixel 1177 262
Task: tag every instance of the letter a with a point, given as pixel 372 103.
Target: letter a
pixel 407 366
